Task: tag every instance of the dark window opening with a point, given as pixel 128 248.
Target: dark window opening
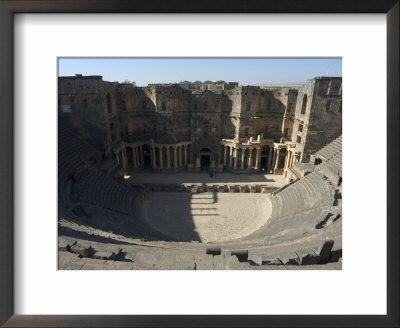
pixel 328 106
pixel 195 104
pixel 144 104
pixel 340 107
pixel 286 132
pixel 304 105
pixel 111 126
pixel 248 107
pixel 298 139
pixel 300 128
pixel 205 131
pixel 113 137
pixel 165 132
pixel 246 132
pixel 163 106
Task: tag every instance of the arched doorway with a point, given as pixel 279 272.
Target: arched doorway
pixel 146 156
pixel 282 158
pixel 264 157
pixel 129 155
pixel 205 159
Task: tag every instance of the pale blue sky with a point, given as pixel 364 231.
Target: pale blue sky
pixel 172 70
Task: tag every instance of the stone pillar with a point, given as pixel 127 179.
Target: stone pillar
pixel 270 156
pixel 224 159
pixel 273 158
pixel 285 166
pixel 175 157
pixel 277 159
pixel 141 155
pixel 124 161
pixel 161 157
pixel 235 159
pixel 185 152
pixel 135 157
pixel 242 162
pixel 250 159
pixel 258 155
pixel 168 159
pixel 230 156
pixel 153 149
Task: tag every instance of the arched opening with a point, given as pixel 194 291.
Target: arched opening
pixel 265 151
pixel 304 105
pixel 282 158
pixel 146 156
pixel 129 155
pixel 205 159
pixel 328 106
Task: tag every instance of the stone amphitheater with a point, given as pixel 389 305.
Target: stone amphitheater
pixel 129 215
pixel 106 223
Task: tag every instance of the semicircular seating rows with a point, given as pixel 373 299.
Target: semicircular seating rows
pixel 304 213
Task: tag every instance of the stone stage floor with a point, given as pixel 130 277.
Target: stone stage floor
pixel 270 180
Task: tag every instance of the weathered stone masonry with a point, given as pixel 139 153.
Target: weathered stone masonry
pixel 167 127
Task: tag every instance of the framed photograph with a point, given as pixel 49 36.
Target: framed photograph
pixel 213 164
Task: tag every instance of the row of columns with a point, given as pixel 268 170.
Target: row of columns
pixel 180 155
pixel 230 157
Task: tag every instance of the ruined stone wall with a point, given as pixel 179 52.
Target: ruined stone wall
pixel 325 121
pixel 309 116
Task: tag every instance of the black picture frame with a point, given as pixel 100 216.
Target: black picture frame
pixel 10 7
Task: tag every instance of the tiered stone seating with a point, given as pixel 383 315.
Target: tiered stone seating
pixel 310 192
pixel 98 189
pixel 330 150
pixel 73 153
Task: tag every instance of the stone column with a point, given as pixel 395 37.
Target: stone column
pixel 161 157
pixel 141 155
pixel 273 158
pixel 258 155
pixel 235 158
pixel 224 159
pixel 231 156
pixel 124 161
pixel 277 159
pixel 270 156
pixel 153 148
pixel 285 166
pixel 135 157
pixel 168 159
pixel 242 162
pixel 185 152
pixel 250 159
pixel 175 158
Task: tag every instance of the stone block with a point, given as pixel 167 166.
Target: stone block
pixel 289 259
pixel 253 189
pixel 308 257
pixel 325 250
